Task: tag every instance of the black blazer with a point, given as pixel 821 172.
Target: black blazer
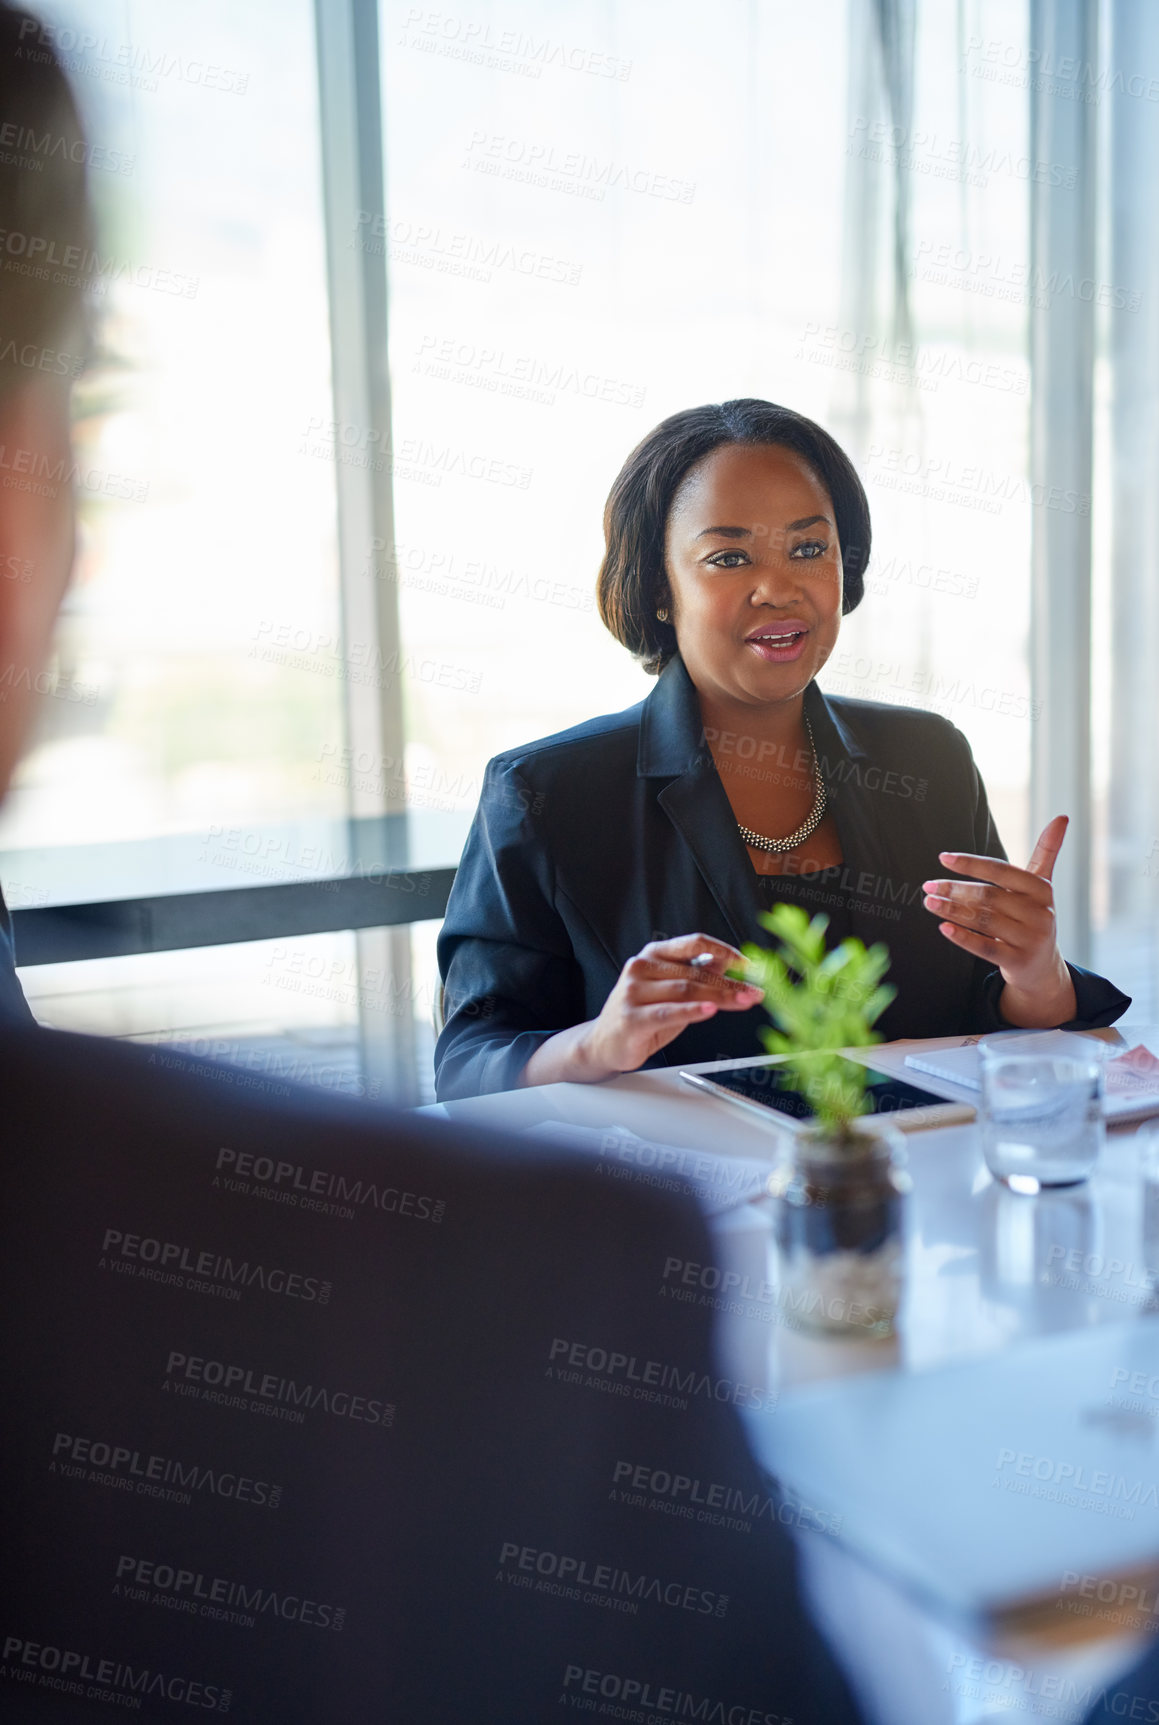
pixel 588 844
pixel 361 1418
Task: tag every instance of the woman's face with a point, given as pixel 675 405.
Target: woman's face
pixel 754 571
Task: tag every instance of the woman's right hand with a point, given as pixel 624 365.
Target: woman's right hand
pixel 658 994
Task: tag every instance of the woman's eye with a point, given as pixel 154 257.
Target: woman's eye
pixel 810 548
pixel 725 560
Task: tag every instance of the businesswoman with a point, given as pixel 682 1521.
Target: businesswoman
pixel 606 861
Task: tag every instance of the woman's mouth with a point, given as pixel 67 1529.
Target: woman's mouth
pixel 778 643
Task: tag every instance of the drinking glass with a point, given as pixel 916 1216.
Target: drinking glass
pixel 1041 1116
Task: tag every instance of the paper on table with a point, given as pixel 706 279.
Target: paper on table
pixel 1135 1073
pixel 875 1450
pixel 962 1066
pixel 722 1182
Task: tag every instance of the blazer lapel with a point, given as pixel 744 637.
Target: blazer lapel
pixel 855 808
pixel 885 843
pixel 884 867
pixel 700 811
pixel 673 746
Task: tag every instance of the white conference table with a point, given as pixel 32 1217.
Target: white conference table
pixel 985 1268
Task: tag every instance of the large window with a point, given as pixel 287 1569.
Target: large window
pixel 207 572
pixel 598 215
pixel 207 543
pixel 588 217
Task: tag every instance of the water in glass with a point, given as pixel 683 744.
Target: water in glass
pixel 1042 1120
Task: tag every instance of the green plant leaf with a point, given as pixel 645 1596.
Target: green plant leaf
pixel 820 1002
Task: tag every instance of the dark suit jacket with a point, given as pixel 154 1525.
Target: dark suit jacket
pixel 359 1418
pixel 14 1009
pixel 589 844
pixel 1133 1696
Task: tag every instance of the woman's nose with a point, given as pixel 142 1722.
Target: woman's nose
pixel 775 584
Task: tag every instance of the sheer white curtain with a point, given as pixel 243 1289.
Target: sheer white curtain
pixel 931 388
pixel 1126 535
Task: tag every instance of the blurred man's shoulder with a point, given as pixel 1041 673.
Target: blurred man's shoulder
pixel 93 1101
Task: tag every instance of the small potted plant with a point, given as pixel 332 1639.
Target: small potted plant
pixel 841 1197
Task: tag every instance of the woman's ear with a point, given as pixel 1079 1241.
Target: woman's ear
pixel 665 606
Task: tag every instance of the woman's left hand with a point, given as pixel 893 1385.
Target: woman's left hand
pixel 1009 921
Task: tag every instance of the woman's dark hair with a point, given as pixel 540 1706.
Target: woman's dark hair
pixel 44 209
pixel 632 586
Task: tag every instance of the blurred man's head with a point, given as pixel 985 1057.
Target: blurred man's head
pixel 43 213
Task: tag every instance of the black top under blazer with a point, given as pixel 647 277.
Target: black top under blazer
pixel 589 844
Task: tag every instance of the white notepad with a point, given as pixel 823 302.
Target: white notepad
pixel 1131 1079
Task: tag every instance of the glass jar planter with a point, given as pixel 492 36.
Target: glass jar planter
pixel 839 1231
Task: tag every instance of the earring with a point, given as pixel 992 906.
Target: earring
pixel 662 615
